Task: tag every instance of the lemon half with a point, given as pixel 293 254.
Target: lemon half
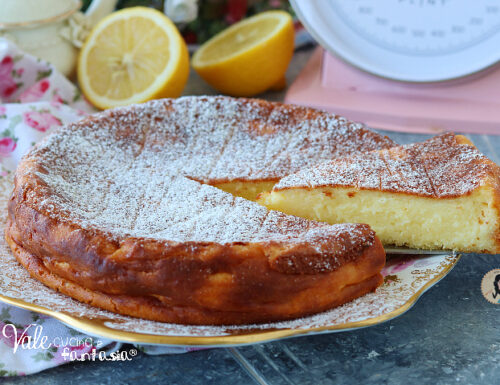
pixel 250 56
pixel 132 56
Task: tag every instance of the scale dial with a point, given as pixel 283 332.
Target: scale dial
pixel 413 40
pixel 421 27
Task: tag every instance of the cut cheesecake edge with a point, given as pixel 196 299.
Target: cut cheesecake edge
pixel 245 189
pixel 462 224
pixel 462 217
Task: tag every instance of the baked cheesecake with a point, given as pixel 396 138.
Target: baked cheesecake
pixel 120 211
pixel 438 194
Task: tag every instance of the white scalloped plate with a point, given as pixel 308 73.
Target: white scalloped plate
pixel 406 279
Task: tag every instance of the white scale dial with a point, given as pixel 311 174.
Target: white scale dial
pixel 421 27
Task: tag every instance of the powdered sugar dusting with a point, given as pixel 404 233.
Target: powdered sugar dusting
pixel 439 167
pixel 399 287
pixel 136 171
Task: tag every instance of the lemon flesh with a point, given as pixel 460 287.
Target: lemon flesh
pixel 250 56
pixel 133 56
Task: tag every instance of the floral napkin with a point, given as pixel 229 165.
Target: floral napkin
pixel 35 99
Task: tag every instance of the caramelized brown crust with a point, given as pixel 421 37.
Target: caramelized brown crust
pixel 246 290
pixel 251 265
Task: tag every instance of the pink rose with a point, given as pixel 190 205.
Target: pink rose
pixel 7 84
pixel 35 92
pixel 3 110
pixel 56 101
pixel 10 335
pixel 7 145
pixel 41 120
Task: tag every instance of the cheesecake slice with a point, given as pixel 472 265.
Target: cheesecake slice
pixel 438 194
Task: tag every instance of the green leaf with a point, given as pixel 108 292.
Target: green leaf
pixel 43 74
pixel 73 332
pixel 5 373
pixel 35 316
pixel 77 95
pixel 9 131
pixel 42 356
pixel 5 314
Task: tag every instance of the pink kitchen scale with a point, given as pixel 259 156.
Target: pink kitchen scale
pixel 413 66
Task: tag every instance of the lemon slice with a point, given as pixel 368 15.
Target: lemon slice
pixel 250 56
pixel 132 56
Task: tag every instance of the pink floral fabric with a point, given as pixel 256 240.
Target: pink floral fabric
pixel 35 100
pixel 7 146
pixel 8 84
pixel 41 120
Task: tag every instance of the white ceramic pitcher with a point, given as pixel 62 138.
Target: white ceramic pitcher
pixel 53 30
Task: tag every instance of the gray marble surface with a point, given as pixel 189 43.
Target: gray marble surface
pixel 451 336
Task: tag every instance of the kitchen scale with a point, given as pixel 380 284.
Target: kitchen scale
pixel 406 65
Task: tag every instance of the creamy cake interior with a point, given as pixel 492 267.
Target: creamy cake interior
pixel 463 223
pixel 439 194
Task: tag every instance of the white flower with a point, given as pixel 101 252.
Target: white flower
pixel 181 11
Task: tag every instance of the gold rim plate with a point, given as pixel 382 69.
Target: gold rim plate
pixel 98 328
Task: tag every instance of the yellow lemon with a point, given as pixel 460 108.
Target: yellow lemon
pixel 132 56
pixel 250 56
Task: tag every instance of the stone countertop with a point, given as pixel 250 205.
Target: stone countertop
pixel 450 336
